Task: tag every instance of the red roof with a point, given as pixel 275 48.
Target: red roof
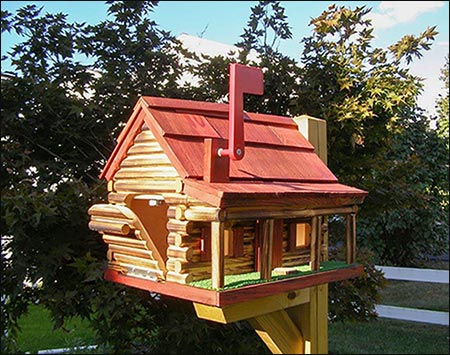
pixel 278 159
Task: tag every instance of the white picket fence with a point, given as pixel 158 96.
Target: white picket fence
pixel 412 314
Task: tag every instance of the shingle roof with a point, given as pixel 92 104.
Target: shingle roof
pixel 279 161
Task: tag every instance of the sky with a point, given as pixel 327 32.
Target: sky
pixel 224 21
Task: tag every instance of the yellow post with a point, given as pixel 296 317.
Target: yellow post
pixel 291 322
pixel 312 317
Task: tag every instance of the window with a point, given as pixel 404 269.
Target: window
pixel 299 236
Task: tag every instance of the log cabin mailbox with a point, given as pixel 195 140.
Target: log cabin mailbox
pixel 228 209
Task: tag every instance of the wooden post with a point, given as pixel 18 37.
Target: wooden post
pixel 315 243
pixel 266 249
pixel 217 255
pixel 291 323
pixel 312 318
pixel 351 238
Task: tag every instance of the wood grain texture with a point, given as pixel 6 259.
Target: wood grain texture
pixel 233 296
pixel 279 333
pixel 217 255
pixel 249 309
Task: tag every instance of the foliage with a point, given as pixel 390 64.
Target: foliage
pixel 442 105
pixel 59 120
pixel 355 299
pixel 265 28
pixel 375 131
pixel 406 216
pixel 59 123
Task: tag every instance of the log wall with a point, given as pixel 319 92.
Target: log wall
pixel 130 248
pixel 146 171
pixel 146 168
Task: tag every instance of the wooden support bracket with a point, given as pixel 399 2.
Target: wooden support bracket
pixel 279 333
pixel 294 322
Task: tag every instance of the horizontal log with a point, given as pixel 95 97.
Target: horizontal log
pixel 231 266
pixel 297 253
pixel 250 267
pixel 171 212
pixel 151 172
pixel 201 213
pixel 180 186
pixel 145 136
pixel 182 253
pixel 145 160
pixel 142 272
pixel 300 260
pixel 131 251
pixel 126 241
pixel 110 227
pixel 110 186
pixel 117 220
pixel 144 185
pixel 147 147
pixel 114 265
pixel 107 210
pixel 174 198
pixel 135 260
pixel 178 278
pixel 179 212
pixel 174 225
pixel 121 198
pixel 255 213
pixel 181 240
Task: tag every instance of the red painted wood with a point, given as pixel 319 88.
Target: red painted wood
pixel 124 142
pixel 243 79
pixel 279 194
pixel 205 244
pixel 277 250
pixel 292 236
pixel 262 162
pixel 279 163
pixel 215 168
pixel 264 133
pixel 252 292
pixel 189 152
pixel 184 124
pixel 242 294
pixel 276 171
pixel 238 241
pixel 189 293
pixel 185 105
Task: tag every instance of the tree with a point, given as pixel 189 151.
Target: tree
pixel 368 98
pixel 442 105
pixel 59 120
pixel 266 28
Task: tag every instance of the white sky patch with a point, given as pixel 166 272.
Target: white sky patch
pixel 392 13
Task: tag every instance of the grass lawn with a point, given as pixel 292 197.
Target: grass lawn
pixel 386 336
pixel 383 336
pixel 37 333
pixel 376 337
pixel 424 295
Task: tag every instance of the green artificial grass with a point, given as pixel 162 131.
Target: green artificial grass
pixel 253 278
